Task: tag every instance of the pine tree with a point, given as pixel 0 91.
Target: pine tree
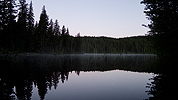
pixel 30 26
pixel 30 19
pixel 35 38
pixel 63 30
pixel 51 28
pixel 42 29
pixel 22 16
pixel 56 28
pixel 51 36
pixel 22 26
pixel 67 32
pixel 11 13
pixel 64 39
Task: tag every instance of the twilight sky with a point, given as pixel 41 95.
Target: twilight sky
pixel 111 18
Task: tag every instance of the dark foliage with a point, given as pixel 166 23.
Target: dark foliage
pixel 8 24
pixel 22 34
pixel 139 44
pixel 163 16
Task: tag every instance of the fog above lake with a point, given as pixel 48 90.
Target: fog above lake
pixel 91 76
pixel 90 62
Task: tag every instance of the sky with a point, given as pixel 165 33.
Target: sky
pixel 111 18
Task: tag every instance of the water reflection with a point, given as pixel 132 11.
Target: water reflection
pixel 164 85
pixel 18 75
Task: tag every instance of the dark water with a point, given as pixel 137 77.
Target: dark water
pixel 78 77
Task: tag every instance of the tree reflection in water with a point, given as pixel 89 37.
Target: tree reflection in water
pixel 164 85
pixel 18 75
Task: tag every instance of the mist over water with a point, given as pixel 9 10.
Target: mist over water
pixel 77 76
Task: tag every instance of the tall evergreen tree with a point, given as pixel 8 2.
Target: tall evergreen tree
pixel 63 30
pixel 67 32
pixel 64 39
pixel 51 28
pixel 35 38
pixel 51 36
pixel 11 12
pixel 30 18
pixel 30 26
pixel 56 28
pixel 22 26
pixel 23 11
pixel 42 29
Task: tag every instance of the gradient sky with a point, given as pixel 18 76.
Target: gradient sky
pixel 111 18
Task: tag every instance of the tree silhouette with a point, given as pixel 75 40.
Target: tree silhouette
pixel 163 16
pixel 22 16
pixel 50 36
pixel 42 29
pixel 30 27
pixel 67 32
pixel 56 28
pixel 22 26
pixel 63 30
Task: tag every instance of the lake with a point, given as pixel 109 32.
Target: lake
pixel 77 76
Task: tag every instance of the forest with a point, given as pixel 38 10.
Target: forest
pixel 21 34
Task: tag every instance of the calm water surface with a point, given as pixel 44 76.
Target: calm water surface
pixel 111 85
pixel 77 77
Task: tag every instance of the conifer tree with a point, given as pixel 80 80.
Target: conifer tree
pixel 22 26
pixel 30 26
pixel 50 37
pixel 11 12
pixel 63 30
pixel 64 39
pixel 42 29
pixel 51 28
pixel 30 19
pixel 56 28
pixel 67 32
pixel 35 38
pixel 22 16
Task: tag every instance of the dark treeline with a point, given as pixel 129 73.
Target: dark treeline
pixel 19 33
pixel 139 44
